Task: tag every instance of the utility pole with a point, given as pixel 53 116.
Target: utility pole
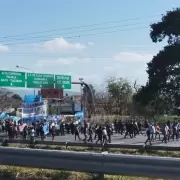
pixel 81 90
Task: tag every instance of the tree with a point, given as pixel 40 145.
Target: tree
pixel 7 102
pixel 17 97
pixel 4 91
pixel 163 70
pixel 52 110
pixel 136 108
pixel 120 91
pixel 104 103
pixel 168 27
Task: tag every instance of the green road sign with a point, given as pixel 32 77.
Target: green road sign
pixel 35 80
pixel 12 79
pixel 62 81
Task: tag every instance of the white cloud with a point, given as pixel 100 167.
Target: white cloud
pixel 131 65
pixel 59 45
pixel 3 48
pixel 90 43
pixel 133 57
pixel 59 62
pixel 108 68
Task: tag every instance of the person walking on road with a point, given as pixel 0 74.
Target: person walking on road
pixel 109 133
pixel 76 133
pixel 42 132
pixel 90 131
pixel 158 131
pixel 174 131
pixel 25 133
pixel 152 131
pixel 104 133
pixel 148 133
pixel 53 132
pixel 99 134
pixel 129 129
pixel 165 131
pixel 32 134
pixel 96 129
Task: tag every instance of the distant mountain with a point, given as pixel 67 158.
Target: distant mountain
pixel 5 91
pixel 23 92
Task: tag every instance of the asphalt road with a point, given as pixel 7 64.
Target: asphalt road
pixel 116 139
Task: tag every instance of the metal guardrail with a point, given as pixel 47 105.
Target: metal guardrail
pixel 91 145
pixel 129 165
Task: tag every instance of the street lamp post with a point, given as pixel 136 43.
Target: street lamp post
pixel 81 79
pixel 28 70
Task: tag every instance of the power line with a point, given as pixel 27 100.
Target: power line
pixel 31 54
pixel 77 36
pixel 34 37
pixel 82 26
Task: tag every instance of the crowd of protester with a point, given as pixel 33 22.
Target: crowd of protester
pixel 91 132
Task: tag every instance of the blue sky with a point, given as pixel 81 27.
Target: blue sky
pixel 90 39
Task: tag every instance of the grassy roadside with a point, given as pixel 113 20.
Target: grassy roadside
pixel 21 173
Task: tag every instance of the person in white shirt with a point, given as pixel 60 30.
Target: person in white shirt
pixel 32 134
pixel 165 133
pixel 152 131
pixel 52 124
pixel 57 128
pixel 104 133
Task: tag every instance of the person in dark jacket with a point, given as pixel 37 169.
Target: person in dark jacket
pixel 99 134
pixel 76 133
pixel 90 131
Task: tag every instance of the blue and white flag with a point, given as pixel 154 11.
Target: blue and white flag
pixel 80 115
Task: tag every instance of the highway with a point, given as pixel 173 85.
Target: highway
pixel 116 139
pixel 101 163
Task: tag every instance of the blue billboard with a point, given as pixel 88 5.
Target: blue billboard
pixel 80 115
pixel 30 99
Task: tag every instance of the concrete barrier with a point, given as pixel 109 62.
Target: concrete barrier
pixel 115 146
